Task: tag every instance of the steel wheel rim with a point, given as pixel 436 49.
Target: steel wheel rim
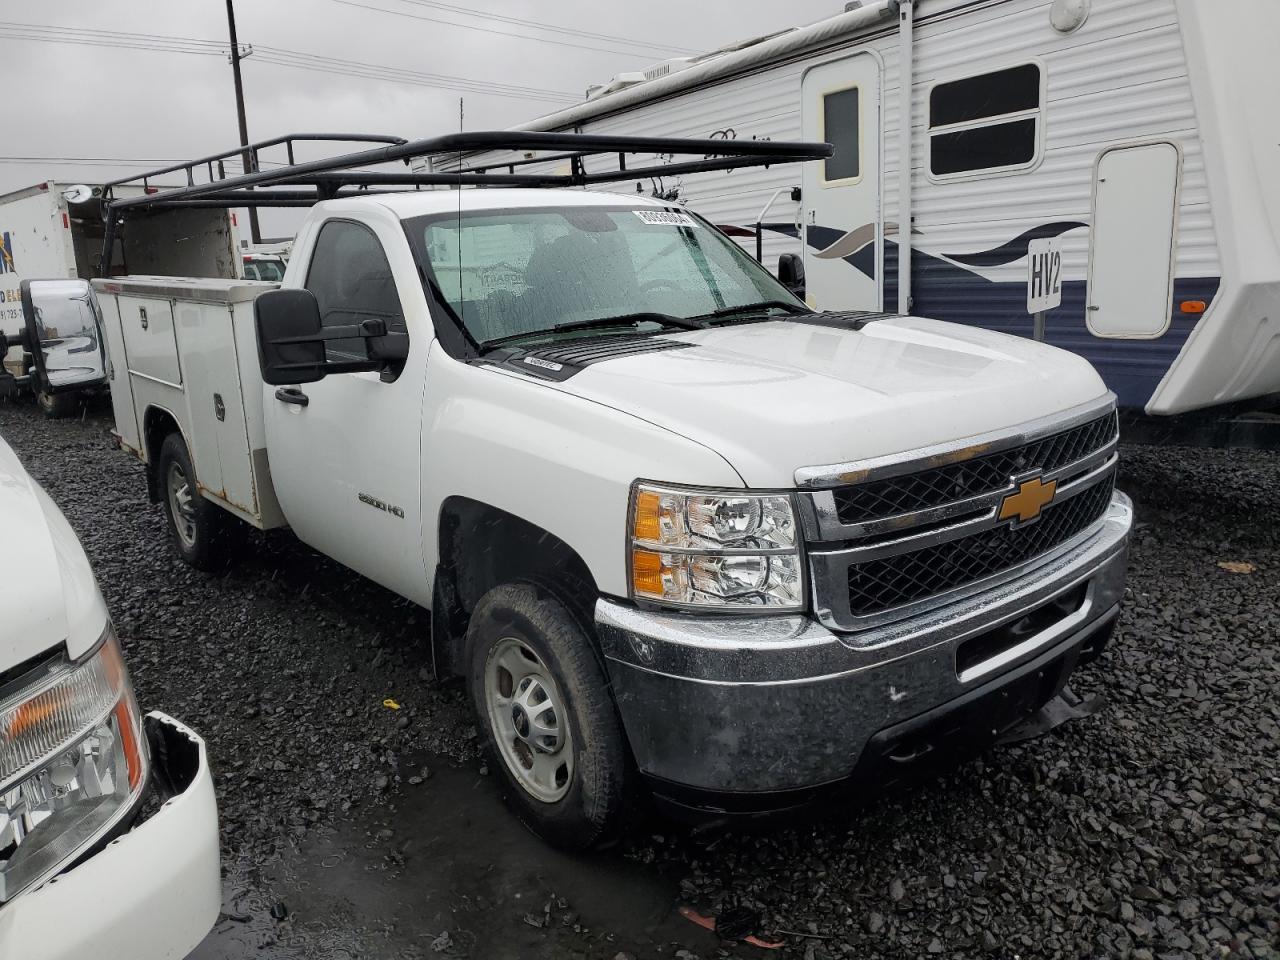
pixel 528 719
pixel 182 505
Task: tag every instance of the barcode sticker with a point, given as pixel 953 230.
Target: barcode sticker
pixel 665 218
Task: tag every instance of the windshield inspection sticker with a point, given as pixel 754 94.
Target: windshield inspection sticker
pixel 665 218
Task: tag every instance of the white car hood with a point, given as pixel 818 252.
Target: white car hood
pixel 776 396
pixel 48 591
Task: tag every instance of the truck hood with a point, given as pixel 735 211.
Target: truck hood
pixel 776 396
pixel 49 594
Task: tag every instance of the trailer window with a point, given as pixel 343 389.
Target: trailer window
pixel 841 128
pixel 351 279
pixel 985 123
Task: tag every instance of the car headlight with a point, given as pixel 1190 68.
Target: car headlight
pixel 72 763
pixel 714 549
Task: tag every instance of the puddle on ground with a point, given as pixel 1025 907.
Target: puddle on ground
pixel 448 857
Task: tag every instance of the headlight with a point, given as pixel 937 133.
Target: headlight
pixel 699 548
pixel 72 761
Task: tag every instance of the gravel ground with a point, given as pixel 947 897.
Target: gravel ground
pixel 1149 830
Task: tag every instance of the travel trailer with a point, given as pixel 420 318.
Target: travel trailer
pixel 1135 141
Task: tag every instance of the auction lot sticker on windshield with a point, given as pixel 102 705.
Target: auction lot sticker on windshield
pixel 665 218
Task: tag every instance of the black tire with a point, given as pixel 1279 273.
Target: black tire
pixel 58 406
pixel 204 534
pixel 596 808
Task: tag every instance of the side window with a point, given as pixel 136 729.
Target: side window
pixel 990 122
pixel 841 128
pixel 351 279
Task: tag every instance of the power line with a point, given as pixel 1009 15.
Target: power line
pixel 376 71
pixel 110 38
pixel 279 57
pixel 551 28
pixel 595 48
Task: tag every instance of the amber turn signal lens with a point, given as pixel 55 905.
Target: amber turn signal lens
pixel 1194 306
pixel 36 712
pixel 647 569
pixel 648 521
pixel 131 738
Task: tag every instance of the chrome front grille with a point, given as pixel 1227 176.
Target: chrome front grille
pixel 970 478
pixel 883 584
pixel 897 536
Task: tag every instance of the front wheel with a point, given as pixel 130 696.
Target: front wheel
pixel 203 533
pixel 550 723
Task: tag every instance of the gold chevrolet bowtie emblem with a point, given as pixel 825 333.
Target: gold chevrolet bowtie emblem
pixel 1025 503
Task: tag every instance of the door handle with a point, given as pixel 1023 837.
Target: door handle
pixel 292 395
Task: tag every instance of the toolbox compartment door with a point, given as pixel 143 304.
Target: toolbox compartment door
pixel 118 379
pixel 219 439
pixel 149 342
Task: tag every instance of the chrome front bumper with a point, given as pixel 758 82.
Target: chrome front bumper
pixel 768 705
pixel 151 893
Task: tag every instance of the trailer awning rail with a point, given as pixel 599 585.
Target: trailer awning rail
pixel 331 176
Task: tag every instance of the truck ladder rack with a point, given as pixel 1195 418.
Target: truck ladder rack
pixel 348 174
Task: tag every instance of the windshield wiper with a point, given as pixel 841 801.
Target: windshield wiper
pixel 630 320
pixel 597 323
pixel 748 308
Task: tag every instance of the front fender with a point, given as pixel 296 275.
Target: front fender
pixel 554 459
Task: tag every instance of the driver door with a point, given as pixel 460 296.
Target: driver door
pixel 345 452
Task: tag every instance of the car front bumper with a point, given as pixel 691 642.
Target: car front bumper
pixel 744 713
pixel 150 893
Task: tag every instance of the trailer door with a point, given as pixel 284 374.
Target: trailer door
pixel 843 236
pixel 1131 255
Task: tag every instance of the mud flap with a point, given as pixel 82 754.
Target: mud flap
pixel 1062 708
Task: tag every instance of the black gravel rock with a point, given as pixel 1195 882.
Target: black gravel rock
pixel 1149 830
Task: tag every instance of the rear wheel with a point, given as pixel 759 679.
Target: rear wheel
pixel 204 534
pixel 550 723
pixel 57 406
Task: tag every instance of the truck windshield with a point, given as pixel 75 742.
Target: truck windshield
pixel 510 273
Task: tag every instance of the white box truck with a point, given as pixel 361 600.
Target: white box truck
pixel 678 532
pixel 56 230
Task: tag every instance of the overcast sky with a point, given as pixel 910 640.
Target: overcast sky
pixel 86 100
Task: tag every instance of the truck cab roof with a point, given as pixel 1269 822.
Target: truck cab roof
pixel 417 203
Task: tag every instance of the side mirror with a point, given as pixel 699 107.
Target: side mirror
pixel 291 340
pixel 64 334
pixel 791 273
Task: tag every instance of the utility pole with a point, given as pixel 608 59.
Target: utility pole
pixel 249 166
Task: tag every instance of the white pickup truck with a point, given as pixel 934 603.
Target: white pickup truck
pixel 108 825
pixel 677 531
